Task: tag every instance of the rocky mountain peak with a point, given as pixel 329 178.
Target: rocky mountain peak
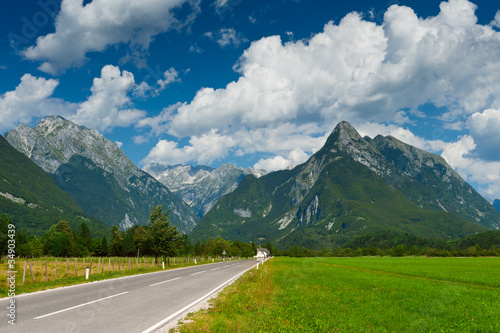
pixel 97 173
pixel 346 139
pixel 55 140
pixel 343 135
pixel 201 186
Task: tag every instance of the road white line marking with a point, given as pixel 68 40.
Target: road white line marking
pixel 105 281
pixel 77 306
pixel 154 327
pixel 213 269
pixel 198 273
pixel 225 266
pixel 155 284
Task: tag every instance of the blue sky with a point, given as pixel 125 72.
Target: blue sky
pixel 259 83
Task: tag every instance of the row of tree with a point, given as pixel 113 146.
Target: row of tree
pixel 387 243
pixel 159 238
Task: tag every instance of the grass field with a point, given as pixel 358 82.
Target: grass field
pixel 101 269
pixel 369 294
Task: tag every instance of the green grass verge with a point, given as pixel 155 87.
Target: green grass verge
pixel 359 295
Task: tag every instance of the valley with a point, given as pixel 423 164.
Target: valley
pixel 351 186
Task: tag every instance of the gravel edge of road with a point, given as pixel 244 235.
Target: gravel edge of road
pixel 202 305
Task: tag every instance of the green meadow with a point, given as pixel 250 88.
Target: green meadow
pixel 366 294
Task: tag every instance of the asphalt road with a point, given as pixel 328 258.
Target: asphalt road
pixel 139 303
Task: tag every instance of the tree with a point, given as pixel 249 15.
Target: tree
pixel 269 246
pixel 4 227
pixel 63 226
pixel 104 246
pixel 129 248
pixel 96 247
pixel 116 242
pixel 139 236
pixel 163 239
pixel 254 248
pixel 198 249
pixel 221 245
pixel 186 247
pixel 59 245
pixel 59 241
pixel 84 237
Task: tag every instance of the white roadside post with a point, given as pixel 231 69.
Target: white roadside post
pixel 224 254
pixel 87 271
pixel 163 264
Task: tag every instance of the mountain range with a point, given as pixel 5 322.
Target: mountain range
pixel 97 174
pixel 353 184
pixel 200 187
pixel 30 197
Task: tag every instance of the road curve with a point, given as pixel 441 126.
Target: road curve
pixel 138 303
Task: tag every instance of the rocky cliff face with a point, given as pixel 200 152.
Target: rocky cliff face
pixel 353 184
pixel 89 167
pixel 200 187
pixel 30 197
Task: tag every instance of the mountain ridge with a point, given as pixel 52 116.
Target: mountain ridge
pixel 30 197
pixel 350 185
pixel 69 151
pixel 201 187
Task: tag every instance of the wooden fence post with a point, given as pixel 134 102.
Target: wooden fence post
pixel 99 265
pixel 76 272
pixel 24 272
pixel 56 269
pixel 31 271
pixel 83 266
pixel 90 268
pixel 67 267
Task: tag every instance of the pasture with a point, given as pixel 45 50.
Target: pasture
pixel 366 294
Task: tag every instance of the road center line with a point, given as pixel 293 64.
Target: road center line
pixel 198 273
pixel 213 269
pixel 157 325
pixel 155 284
pixel 77 306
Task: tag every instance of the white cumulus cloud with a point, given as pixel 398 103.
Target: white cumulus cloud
pixel 109 104
pixel 205 149
pixel 296 157
pixel 353 70
pixel 485 130
pixel 31 99
pixel 357 70
pixel 485 173
pixel 102 23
